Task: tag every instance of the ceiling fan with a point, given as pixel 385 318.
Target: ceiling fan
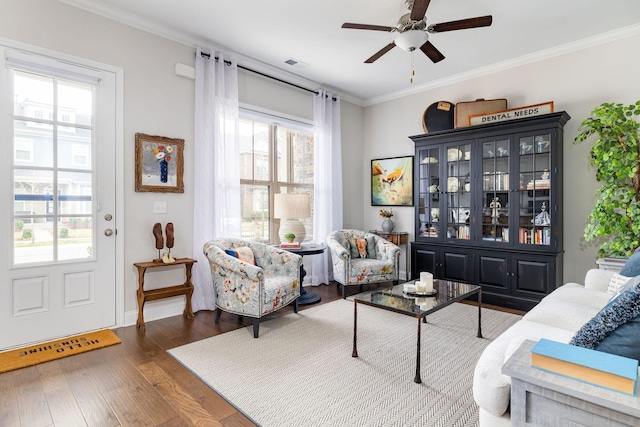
pixel 412 30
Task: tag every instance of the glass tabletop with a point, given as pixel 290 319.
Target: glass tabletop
pixel 395 299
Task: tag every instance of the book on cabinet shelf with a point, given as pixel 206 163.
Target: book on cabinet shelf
pixel 503 237
pixel 429 233
pixel 463 232
pixel 538 236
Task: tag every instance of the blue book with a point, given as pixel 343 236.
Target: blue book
pixel 594 367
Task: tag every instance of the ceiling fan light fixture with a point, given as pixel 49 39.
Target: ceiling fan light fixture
pixel 411 40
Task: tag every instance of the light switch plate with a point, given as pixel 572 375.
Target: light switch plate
pixel 160 207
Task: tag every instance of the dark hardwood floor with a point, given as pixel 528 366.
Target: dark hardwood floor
pixel 135 383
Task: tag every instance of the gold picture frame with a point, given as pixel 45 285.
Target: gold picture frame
pixel 159 164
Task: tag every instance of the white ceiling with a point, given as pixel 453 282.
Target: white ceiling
pixel 266 33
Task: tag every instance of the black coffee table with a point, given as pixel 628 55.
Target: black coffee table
pixel 396 300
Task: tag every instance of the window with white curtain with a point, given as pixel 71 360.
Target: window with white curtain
pixel 276 156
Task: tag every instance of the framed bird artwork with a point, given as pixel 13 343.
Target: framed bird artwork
pixel 392 181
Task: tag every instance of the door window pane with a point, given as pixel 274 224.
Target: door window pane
pixel 33 240
pixel 74 193
pixel 75 153
pixel 75 238
pixel 52 169
pixel 32 191
pixel 75 103
pixel 33 95
pixel 40 139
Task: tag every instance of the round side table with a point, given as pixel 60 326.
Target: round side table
pixel 306 297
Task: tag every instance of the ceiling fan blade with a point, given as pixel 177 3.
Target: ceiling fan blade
pixel 381 52
pixel 419 9
pixel 431 51
pixel 367 27
pixel 463 24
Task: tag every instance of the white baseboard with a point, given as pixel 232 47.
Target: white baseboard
pixel 156 310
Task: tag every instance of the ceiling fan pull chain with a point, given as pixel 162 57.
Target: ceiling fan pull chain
pixel 413 71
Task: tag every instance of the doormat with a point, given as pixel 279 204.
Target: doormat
pixel 39 353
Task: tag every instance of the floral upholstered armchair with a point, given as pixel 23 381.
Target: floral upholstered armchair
pixel 252 279
pixel 358 257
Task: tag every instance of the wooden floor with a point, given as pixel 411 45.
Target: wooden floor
pixel 135 383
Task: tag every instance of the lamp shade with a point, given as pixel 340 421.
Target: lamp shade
pixel 292 205
pixel 289 207
pixel 411 40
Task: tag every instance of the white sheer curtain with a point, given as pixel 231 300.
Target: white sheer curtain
pixel 216 201
pixel 327 204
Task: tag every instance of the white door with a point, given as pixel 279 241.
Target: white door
pixel 58 189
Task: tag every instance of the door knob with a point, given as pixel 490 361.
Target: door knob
pixel 108 232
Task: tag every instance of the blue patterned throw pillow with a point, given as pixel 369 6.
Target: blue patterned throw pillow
pixel 616 328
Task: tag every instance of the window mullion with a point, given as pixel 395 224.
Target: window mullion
pixel 55 171
pixel 274 185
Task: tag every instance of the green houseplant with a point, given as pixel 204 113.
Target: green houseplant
pixel 616 156
pixel 289 237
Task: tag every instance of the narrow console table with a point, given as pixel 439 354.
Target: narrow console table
pixel 540 398
pixel 185 289
pixel 400 238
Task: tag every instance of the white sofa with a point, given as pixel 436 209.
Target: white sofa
pixel 557 317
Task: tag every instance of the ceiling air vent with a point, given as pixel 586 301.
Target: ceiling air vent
pixel 296 63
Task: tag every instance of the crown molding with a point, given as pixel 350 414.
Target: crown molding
pixel 564 49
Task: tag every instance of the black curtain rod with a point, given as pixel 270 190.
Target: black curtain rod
pixel 208 55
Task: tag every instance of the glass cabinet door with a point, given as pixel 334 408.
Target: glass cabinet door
pixel 429 193
pixel 457 189
pixel 535 189
pixel 495 190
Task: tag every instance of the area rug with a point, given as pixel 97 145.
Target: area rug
pixel 300 372
pixel 32 355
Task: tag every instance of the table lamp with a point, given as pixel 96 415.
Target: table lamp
pixel 289 207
